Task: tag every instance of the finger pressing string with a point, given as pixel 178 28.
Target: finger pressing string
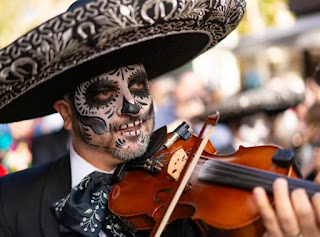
pixel 316 205
pixel 305 213
pixel 284 209
pixel 268 216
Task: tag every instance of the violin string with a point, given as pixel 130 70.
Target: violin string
pixel 267 177
pixel 248 183
pixel 247 178
pixel 247 173
pixel 224 176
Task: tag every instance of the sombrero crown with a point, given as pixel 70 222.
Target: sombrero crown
pixel 45 63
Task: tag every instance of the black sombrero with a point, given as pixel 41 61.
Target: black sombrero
pixel 261 100
pixel 97 36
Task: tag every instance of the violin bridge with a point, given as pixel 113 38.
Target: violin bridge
pixel 177 163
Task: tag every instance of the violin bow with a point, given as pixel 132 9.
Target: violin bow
pixel 186 174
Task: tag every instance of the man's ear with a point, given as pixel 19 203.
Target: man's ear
pixel 64 108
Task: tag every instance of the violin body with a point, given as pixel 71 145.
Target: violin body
pixel 218 209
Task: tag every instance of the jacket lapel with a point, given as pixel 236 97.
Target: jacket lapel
pixel 57 186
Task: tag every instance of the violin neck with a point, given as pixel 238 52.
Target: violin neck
pixel 242 177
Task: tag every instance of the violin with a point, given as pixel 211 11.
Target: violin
pixel 216 195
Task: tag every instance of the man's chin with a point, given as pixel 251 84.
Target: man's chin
pixel 133 148
pixel 130 153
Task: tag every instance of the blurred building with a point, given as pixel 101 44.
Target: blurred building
pixel 291 45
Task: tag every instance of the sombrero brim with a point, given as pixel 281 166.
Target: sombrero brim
pixel 262 100
pixel 41 66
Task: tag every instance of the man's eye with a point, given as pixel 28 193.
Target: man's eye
pixel 137 86
pixel 103 96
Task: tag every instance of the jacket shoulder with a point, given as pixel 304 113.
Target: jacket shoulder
pixel 25 178
pixel 29 183
pixel 32 191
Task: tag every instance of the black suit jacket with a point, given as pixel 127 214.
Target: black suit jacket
pixel 26 197
pixel 42 153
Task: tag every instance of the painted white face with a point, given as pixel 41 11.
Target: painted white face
pixel 115 111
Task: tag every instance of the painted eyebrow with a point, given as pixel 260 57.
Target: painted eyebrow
pixel 101 85
pixel 140 76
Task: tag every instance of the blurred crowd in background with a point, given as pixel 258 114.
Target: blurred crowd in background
pixel 272 48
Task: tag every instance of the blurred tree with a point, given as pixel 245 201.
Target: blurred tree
pixel 8 13
pixel 19 16
pixel 264 13
pixel 269 9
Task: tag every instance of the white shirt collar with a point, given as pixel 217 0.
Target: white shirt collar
pixel 80 168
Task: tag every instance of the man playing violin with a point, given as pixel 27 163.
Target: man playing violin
pixel 92 64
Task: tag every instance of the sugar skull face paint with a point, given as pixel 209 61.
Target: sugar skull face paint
pixel 115 111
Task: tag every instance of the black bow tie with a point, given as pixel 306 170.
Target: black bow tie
pixel 85 210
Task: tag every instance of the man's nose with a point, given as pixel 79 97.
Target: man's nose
pixel 129 108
